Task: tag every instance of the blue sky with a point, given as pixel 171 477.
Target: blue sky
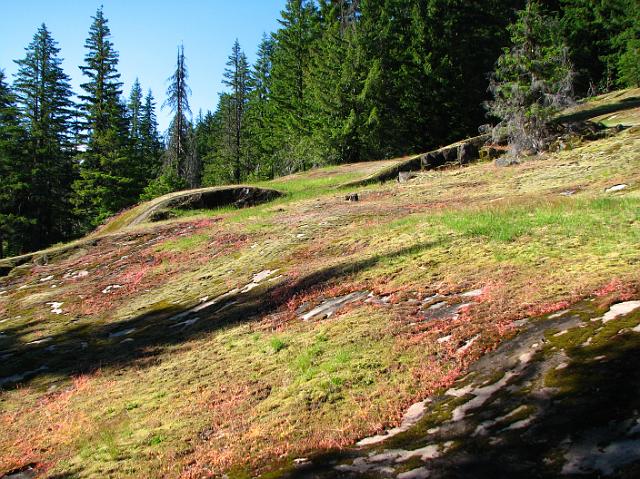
pixel 146 33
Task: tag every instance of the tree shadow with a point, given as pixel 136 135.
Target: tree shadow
pixel 625 104
pixel 84 346
pixel 591 421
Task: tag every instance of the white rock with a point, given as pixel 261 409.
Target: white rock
pixel 56 308
pixel 472 294
pixel 124 332
pixel 620 309
pixel 614 188
pixel 419 473
pixel 468 344
pixel 111 287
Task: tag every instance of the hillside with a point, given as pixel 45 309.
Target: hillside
pixel 491 315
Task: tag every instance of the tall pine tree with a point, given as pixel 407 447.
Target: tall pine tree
pixel 150 138
pixel 13 171
pixel 44 99
pixel 289 83
pixel 532 81
pixel 106 185
pixel 180 156
pixel 181 166
pixel 237 79
pixel 260 112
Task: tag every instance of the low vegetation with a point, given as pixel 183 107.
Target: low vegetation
pixel 116 362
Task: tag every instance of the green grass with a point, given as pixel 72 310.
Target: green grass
pixel 568 218
pixel 184 244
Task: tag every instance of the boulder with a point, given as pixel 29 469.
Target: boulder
pixel 405 176
pixel 467 152
pixel 432 160
pixel 450 154
pixel 352 197
pixel 507 160
pixel 488 153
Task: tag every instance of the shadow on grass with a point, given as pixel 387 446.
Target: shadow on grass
pixel 625 104
pixel 591 420
pixel 84 346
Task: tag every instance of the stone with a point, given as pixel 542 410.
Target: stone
pixel 433 160
pixel 450 154
pixel 110 288
pixel 620 309
pixel 418 473
pixel 352 197
pixel 488 153
pixel 467 344
pixel 467 152
pixel 125 332
pixel 329 307
pixel 410 418
pixel 16 378
pixel 506 161
pixel 56 308
pixel 474 293
pixel 405 176
pixel 568 192
pixel 614 188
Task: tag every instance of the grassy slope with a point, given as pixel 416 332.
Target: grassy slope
pixel 252 383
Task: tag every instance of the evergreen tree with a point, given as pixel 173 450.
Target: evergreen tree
pixel 14 174
pixel 215 144
pixel 139 170
pixel 44 99
pixel 289 83
pixel 332 81
pixel 237 79
pixel 532 79
pixel 180 155
pixel 599 34
pixel 260 113
pixel 106 185
pixel 150 138
pixel 628 40
pixel 181 166
pixel 135 116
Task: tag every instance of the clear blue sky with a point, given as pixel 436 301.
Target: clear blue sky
pixel 146 34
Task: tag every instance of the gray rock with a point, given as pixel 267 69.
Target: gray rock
pixel 405 176
pixel 352 197
pixel 506 161
pixel 614 188
pixel 467 152
pixel 330 306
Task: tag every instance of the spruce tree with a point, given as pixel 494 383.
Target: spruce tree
pixel 44 100
pixel 332 80
pixel 135 115
pixel 181 166
pixel 150 138
pixel 532 81
pixel 14 174
pixel 106 185
pixel 260 113
pixel 291 58
pixel 597 34
pixel 138 168
pixel 628 41
pixel 237 79
pixel 180 156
